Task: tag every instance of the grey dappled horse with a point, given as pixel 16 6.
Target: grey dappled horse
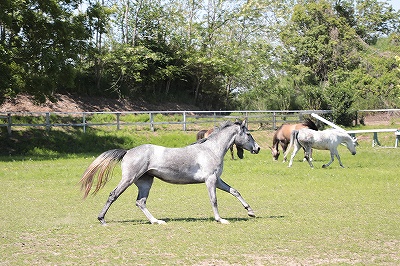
pixel 201 162
pixel 321 140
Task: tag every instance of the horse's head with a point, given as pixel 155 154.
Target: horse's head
pixel 245 140
pixel 351 145
pixel 275 153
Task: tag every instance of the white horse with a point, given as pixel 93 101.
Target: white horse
pixel 321 140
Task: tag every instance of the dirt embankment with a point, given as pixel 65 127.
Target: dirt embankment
pixel 71 103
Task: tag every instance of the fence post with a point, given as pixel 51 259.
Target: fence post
pixel 84 122
pixel 184 121
pixel 151 122
pixel 274 120
pixel 47 121
pixel 356 118
pixel 118 115
pixel 215 118
pixel 9 123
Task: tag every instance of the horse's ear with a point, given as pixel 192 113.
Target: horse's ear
pixel 244 122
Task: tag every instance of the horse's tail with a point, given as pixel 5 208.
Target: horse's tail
pixel 310 124
pixel 293 137
pixel 102 166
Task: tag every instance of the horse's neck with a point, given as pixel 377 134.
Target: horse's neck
pixel 223 140
pixel 275 141
pixel 345 138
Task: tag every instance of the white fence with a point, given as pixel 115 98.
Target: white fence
pixel 151 120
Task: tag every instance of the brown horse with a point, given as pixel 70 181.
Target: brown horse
pixel 204 133
pixel 282 136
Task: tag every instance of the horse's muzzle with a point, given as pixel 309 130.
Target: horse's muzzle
pixel 256 150
pixel 353 153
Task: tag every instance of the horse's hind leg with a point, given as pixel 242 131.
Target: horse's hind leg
pixel 307 156
pixel 144 184
pixel 225 187
pixel 295 150
pixel 332 158
pixel 122 186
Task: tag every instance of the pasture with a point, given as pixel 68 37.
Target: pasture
pixel 305 216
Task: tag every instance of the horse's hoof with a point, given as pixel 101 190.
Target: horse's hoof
pixel 102 221
pixel 223 221
pixel 159 222
pixel 324 166
pixel 251 214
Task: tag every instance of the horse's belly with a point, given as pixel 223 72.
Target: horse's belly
pixel 177 176
pixel 320 147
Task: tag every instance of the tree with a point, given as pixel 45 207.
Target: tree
pixel 375 19
pixel 319 43
pixel 38 44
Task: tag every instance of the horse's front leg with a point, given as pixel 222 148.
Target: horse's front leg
pixel 225 187
pixel 211 187
pixel 338 157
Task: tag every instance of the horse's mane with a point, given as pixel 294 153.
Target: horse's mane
pixel 221 127
pixel 278 128
pixel 200 134
pixel 310 124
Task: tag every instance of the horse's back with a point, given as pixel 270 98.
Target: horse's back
pixel 322 140
pixel 284 131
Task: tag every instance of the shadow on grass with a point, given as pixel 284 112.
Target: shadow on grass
pixel 194 220
pixel 41 144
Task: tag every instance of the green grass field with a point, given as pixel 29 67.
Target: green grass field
pixel 305 216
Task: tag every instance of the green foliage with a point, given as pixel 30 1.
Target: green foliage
pixel 375 19
pixel 217 55
pixel 341 100
pixel 39 41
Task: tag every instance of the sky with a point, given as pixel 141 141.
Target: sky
pixel 395 4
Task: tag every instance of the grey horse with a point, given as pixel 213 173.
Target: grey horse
pixel 201 162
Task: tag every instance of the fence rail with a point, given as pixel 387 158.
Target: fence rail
pixel 185 120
